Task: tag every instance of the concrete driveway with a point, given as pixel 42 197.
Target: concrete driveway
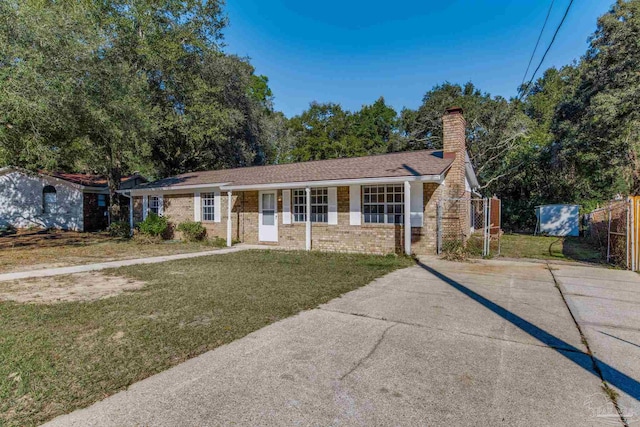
pixel 487 343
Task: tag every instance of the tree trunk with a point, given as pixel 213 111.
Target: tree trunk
pixel 113 180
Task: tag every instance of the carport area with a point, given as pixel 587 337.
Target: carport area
pixel 440 343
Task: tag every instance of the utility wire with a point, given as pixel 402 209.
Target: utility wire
pixel 537 43
pixel 566 12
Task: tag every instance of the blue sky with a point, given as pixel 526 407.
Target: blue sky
pixel 352 52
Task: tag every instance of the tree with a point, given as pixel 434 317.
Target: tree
pixel 116 86
pixel 599 126
pixel 326 131
pixel 540 177
pixel 494 128
pixel 45 51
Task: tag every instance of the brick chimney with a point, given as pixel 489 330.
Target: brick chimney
pixel 457 206
pixel 454 146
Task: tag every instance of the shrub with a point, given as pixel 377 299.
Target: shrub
pixel 454 250
pixel 154 225
pixel 192 231
pixel 218 242
pixel 146 239
pixel 120 229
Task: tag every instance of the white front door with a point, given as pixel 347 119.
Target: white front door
pixel 268 217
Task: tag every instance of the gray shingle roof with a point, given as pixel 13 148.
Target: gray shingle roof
pixel 408 163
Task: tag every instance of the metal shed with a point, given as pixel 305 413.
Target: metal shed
pixel 558 220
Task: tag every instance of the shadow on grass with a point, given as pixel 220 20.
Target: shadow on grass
pixel 580 249
pixel 48 239
pixel 590 364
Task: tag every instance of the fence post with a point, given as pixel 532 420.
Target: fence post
pixel 629 267
pixel 609 236
pixel 484 226
pixel 499 226
pixel 439 227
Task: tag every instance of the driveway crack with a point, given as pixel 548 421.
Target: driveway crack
pixel 452 331
pixel 371 352
pixel 605 385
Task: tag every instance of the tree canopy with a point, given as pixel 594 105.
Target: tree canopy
pixel 117 86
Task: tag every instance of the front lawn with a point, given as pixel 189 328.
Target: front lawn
pixel 548 247
pixel 50 249
pixel 59 357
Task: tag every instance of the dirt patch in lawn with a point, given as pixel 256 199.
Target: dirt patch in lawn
pixel 74 287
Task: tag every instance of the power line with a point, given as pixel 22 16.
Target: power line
pixel 537 43
pixel 566 12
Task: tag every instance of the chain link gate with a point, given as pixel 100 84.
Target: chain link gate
pixel 469 224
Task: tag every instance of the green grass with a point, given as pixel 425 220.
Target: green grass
pixel 26 251
pixel 547 247
pixel 57 358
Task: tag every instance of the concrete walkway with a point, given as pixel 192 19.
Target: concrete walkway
pixel 121 263
pixel 465 344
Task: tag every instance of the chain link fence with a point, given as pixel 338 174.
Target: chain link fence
pixel 469 225
pixel 609 230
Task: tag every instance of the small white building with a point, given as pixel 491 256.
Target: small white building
pixel 558 220
pixel 77 202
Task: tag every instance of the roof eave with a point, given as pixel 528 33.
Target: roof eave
pixel 437 178
pixel 148 190
pixel 334 182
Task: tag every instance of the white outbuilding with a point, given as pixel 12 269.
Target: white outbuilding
pixel 558 220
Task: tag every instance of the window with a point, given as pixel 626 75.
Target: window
pixel 154 204
pixel 208 203
pixel 383 204
pixel 268 208
pixel 49 198
pixel 102 200
pixel 319 205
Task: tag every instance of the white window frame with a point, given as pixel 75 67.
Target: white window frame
pixel 154 205
pixel 208 203
pixel 385 197
pixel 319 205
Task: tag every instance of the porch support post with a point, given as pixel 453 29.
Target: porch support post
pixel 407 218
pixel 229 202
pixel 130 214
pixel 308 219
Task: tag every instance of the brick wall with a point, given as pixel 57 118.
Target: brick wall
pixel 423 240
pixel 248 215
pixel 369 238
pixel 342 237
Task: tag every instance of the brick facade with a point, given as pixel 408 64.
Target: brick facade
pixel 341 237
